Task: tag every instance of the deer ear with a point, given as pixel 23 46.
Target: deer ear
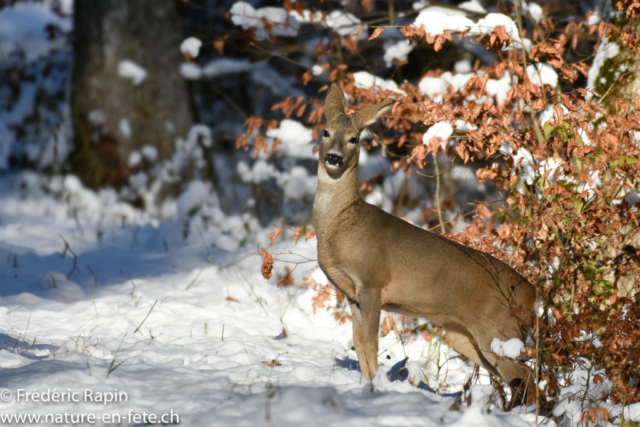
pixel 366 116
pixel 335 103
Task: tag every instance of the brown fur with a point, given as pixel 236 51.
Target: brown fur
pixel 382 262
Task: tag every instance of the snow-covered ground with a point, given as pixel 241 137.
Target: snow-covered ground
pixel 185 328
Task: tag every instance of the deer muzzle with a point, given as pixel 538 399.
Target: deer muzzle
pixel 333 160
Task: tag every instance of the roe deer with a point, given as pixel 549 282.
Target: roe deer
pixel 380 261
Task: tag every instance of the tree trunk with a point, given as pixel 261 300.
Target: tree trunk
pixel 156 110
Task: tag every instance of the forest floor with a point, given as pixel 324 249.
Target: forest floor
pixel 133 314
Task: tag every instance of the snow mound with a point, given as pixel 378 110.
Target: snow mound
pixel 130 70
pixel 366 80
pixel 512 348
pixel 191 46
pixel 442 130
pixel 547 75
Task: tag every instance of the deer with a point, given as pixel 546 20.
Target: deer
pixel 379 261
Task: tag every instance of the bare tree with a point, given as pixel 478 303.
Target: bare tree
pixel 114 115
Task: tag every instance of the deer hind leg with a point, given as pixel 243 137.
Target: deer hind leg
pixel 464 344
pixel 367 320
pixel 519 377
pixel 358 335
pixel 521 381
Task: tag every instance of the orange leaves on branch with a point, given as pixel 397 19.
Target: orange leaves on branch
pixel 553 53
pixel 218 44
pixel 252 123
pixel 418 154
pixel 387 324
pixel 498 39
pixel 275 234
pixel 298 232
pixel 351 42
pixel 306 77
pixel 592 414
pixel 288 106
pixel 376 33
pixel 488 172
pixel 310 235
pixel 259 144
pixel 267 264
pixel 286 280
pixel 631 7
pixel 274 146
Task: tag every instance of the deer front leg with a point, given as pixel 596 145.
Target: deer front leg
pixel 370 307
pixel 358 336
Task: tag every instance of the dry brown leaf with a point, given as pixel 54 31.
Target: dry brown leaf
pixel 310 234
pixel 306 77
pixel 218 44
pixel 267 264
pixel 376 33
pixel 275 234
pixel 298 233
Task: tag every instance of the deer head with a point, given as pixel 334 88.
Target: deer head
pixel 339 148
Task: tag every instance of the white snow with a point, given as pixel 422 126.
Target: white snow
pixel 216 68
pixel 472 6
pixel 200 133
pixel 523 161
pixel 190 71
pixel 248 17
pixel 150 153
pixel 463 66
pixel 547 75
pixel 300 183
pixel 549 113
pixel 191 46
pixel 399 50
pixel 442 130
pixel 606 50
pixel 344 23
pixel 487 24
pixel 146 312
pixel 134 159
pixel 22 27
pixel 96 117
pixel 291 133
pixel 130 70
pixel 437 21
pixel 138 180
pixel 365 80
pixel 535 10
pixel 594 19
pixel 432 86
pixel 512 348
pixel 499 88
pixel 125 128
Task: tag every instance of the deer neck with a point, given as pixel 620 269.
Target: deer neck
pixel 334 198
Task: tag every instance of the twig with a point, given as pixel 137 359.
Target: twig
pixel 75 257
pixel 140 325
pixel 435 162
pixel 194 280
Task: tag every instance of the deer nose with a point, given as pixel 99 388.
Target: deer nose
pixel 333 159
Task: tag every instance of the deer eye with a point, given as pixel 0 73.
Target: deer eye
pixel 326 133
pixel 353 140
